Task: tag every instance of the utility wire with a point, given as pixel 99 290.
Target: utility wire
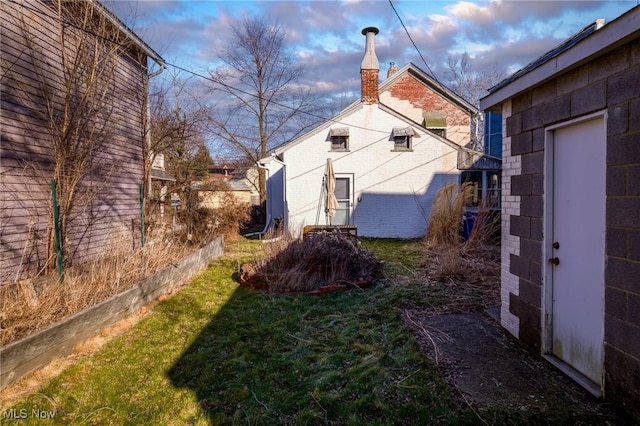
pixel 195 74
pixel 418 50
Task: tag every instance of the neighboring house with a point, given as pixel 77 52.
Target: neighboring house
pixel 214 193
pixel 422 99
pixel 391 152
pixel 107 211
pixel 242 179
pixel 418 96
pixel 158 179
pixel 482 171
pixel 571 206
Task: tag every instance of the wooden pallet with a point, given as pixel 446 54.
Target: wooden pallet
pixel 350 230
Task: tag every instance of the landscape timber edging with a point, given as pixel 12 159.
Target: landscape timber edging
pixel 19 358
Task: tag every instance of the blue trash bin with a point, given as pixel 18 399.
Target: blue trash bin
pixel 468 219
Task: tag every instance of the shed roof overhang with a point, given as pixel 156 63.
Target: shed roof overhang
pixel 405 131
pixel 339 131
pixel 618 32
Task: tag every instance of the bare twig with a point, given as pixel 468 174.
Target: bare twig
pixel 300 339
pixel 260 402
pixel 399 382
pixel 424 332
pixel 472 408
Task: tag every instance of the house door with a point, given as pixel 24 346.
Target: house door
pixel 575 246
pixel 344 196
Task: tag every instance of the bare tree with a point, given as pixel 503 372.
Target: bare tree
pixel 177 133
pixel 265 103
pixel 471 85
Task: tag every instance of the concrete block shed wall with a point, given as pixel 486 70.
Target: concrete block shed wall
pixel 612 83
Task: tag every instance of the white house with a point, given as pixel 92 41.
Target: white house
pixel 388 165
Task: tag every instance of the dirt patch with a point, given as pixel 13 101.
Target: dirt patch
pixel 491 370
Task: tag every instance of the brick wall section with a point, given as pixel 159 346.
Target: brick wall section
pixel 420 98
pixel 369 81
pixel 426 99
pixel 611 82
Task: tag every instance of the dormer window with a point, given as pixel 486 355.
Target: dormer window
pixel 339 138
pixel 403 138
pixel 436 122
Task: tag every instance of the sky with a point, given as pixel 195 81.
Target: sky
pixel 501 35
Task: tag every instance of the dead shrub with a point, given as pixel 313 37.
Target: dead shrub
pixel 472 261
pixel 208 223
pixel 36 303
pixel 319 262
pixel 231 217
pixel 446 215
pixel 486 229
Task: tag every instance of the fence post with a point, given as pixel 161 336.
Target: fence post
pixel 189 224
pixel 142 214
pixel 56 230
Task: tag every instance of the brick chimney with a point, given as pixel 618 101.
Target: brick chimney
pixel 369 68
pixel 392 69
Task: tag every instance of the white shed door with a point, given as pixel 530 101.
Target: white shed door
pixel 578 239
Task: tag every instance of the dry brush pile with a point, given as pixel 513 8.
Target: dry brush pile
pixel 321 262
pixel 31 304
pixel 34 303
pixel 470 267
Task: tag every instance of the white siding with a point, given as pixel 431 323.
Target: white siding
pixel 393 191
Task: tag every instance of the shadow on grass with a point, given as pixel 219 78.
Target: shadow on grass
pixel 337 358
pixel 300 359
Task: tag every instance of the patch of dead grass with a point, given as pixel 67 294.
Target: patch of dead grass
pixel 467 272
pixel 33 304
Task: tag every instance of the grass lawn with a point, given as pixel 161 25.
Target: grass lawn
pixel 216 353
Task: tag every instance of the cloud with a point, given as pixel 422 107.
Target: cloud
pixel 325 35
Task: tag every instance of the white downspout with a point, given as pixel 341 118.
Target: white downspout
pixel 284 192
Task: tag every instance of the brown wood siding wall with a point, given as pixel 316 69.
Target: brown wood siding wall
pixel 611 82
pixel 31 52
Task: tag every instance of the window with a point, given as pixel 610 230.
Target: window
pixel 402 142
pixel 403 138
pixel 439 132
pixel 339 142
pixel 493 134
pixel 485 189
pixel 339 139
pixel 436 122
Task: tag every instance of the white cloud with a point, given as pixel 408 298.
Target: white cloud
pixel 325 35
